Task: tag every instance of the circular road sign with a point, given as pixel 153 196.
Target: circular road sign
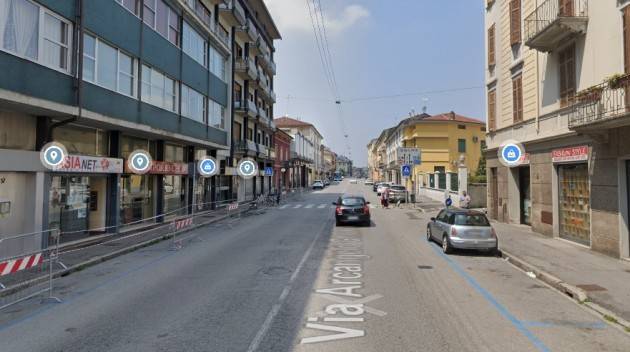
pixel 52 155
pixel 247 168
pixel 511 153
pixel 207 167
pixel 283 170
pixel 139 161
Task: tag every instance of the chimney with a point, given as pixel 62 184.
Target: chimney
pixel 451 115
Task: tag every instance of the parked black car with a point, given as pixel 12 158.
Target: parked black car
pixel 352 210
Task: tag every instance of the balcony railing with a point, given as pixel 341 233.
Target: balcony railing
pixel 235 12
pixel 222 33
pixel 244 146
pixel 247 66
pixel 553 21
pixel 606 105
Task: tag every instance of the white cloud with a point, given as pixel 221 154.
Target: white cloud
pixel 292 15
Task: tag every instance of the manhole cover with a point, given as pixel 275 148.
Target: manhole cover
pixel 591 287
pixel 425 267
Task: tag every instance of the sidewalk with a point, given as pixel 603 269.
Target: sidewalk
pixel 604 280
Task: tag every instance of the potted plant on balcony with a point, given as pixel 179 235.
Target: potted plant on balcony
pixel 618 80
pixel 589 95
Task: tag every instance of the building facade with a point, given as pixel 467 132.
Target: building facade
pixel 344 165
pixel 282 143
pixel 305 150
pixel 253 96
pixel 158 80
pixel 329 162
pixel 556 82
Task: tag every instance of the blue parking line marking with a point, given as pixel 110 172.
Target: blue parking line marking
pixel 597 325
pixel 498 306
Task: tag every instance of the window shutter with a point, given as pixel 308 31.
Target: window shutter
pixel 492 96
pixel 491 46
pixel 515 22
pixel 517 98
pixel 567 75
pixel 566 8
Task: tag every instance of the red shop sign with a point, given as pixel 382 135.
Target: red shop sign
pixel 579 153
pixel 165 168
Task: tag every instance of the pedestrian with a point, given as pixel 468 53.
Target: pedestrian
pixel 385 196
pixel 464 200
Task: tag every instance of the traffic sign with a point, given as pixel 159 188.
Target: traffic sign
pixel 247 168
pixel 409 156
pixel 52 155
pixel 139 161
pixel 268 171
pixel 448 202
pixel 207 167
pixel 511 153
pixel 405 170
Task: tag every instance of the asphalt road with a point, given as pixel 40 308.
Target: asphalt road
pixel 289 280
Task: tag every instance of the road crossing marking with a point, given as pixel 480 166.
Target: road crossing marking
pixel 309 206
pixel 284 206
pixel 322 206
pixel 297 206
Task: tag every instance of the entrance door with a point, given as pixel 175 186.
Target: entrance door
pixel 494 211
pixel 68 207
pixel 525 195
pixel 574 204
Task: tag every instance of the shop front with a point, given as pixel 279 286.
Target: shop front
pixel 78 195
pixel 574 208
pixel 174 186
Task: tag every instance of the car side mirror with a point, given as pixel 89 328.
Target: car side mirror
pixel 433 219
pixel 334 203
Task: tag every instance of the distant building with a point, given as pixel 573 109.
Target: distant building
pixel 344 165
pixel 306 149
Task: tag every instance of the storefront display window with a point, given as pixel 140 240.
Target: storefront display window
pixel 68 205
pixel 574 203
pixel 174 195
pixel 136 198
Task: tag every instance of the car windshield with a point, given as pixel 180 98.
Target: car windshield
pixel 471 220
pixel 398 188
pixel 352 201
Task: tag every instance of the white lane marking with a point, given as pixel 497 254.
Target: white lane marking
pixel 321 206
pixel 309 206
pixel 284 206
pixel 253 346
pixel 372 206
pixel 297 206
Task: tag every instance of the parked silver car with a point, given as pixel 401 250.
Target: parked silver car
pixel 458 228
pixel 397 193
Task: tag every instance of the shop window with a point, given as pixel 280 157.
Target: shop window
pixel 173 153
pixel 82 140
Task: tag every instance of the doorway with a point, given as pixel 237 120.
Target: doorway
pixel 574 197
pixel 525 195
pixel 494 193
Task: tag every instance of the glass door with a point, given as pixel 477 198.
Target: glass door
pixel 525 195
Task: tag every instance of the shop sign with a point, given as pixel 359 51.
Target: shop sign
pixel 579 153
pixel 168 168
pixel 90 164
pixel 524 159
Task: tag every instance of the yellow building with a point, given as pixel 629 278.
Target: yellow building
pixel 444 140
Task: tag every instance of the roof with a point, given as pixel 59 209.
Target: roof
pixel 286 122
pixel 261 9
pixel 452 116
pixel 284 134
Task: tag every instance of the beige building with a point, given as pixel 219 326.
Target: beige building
pixel 549 64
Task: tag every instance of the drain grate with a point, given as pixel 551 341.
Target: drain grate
pixel 591 287
pixel 425 267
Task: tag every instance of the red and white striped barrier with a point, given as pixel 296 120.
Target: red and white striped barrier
pixel 180 224
pixel 14 265
pixel 232 206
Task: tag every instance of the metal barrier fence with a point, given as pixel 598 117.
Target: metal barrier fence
pixel 36 257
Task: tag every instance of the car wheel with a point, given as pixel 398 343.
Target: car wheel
pixel 429 237
pixel 337 223
pixel 446 246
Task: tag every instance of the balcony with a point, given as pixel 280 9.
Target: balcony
pixel 222 34
pixel 604 106
pixel 233 12
pixel 248 33
pixel 247 67
pixel 245 147
pixel 553 21
pixel 266 63
pixel 248 108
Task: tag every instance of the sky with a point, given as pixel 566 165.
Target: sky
pixel 378 48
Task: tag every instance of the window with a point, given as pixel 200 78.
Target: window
pixel 492 110
pixel 238 93
pixel 217 63
pixel 200 10
pixel 32 32
pixel 132 5
pixel 461 127
pixel 517 98
pixel 566 61
pixel 216 113
pixel 163 19
pixel 491 46
pixel 194 45
pixel 515 22
pixel 158 89
pixel 108 67
pixel 461 145
pixel 193 104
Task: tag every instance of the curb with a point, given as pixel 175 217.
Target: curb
pixel 103 258
pixel 576 293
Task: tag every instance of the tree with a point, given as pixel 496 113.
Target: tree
pixel 480 174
